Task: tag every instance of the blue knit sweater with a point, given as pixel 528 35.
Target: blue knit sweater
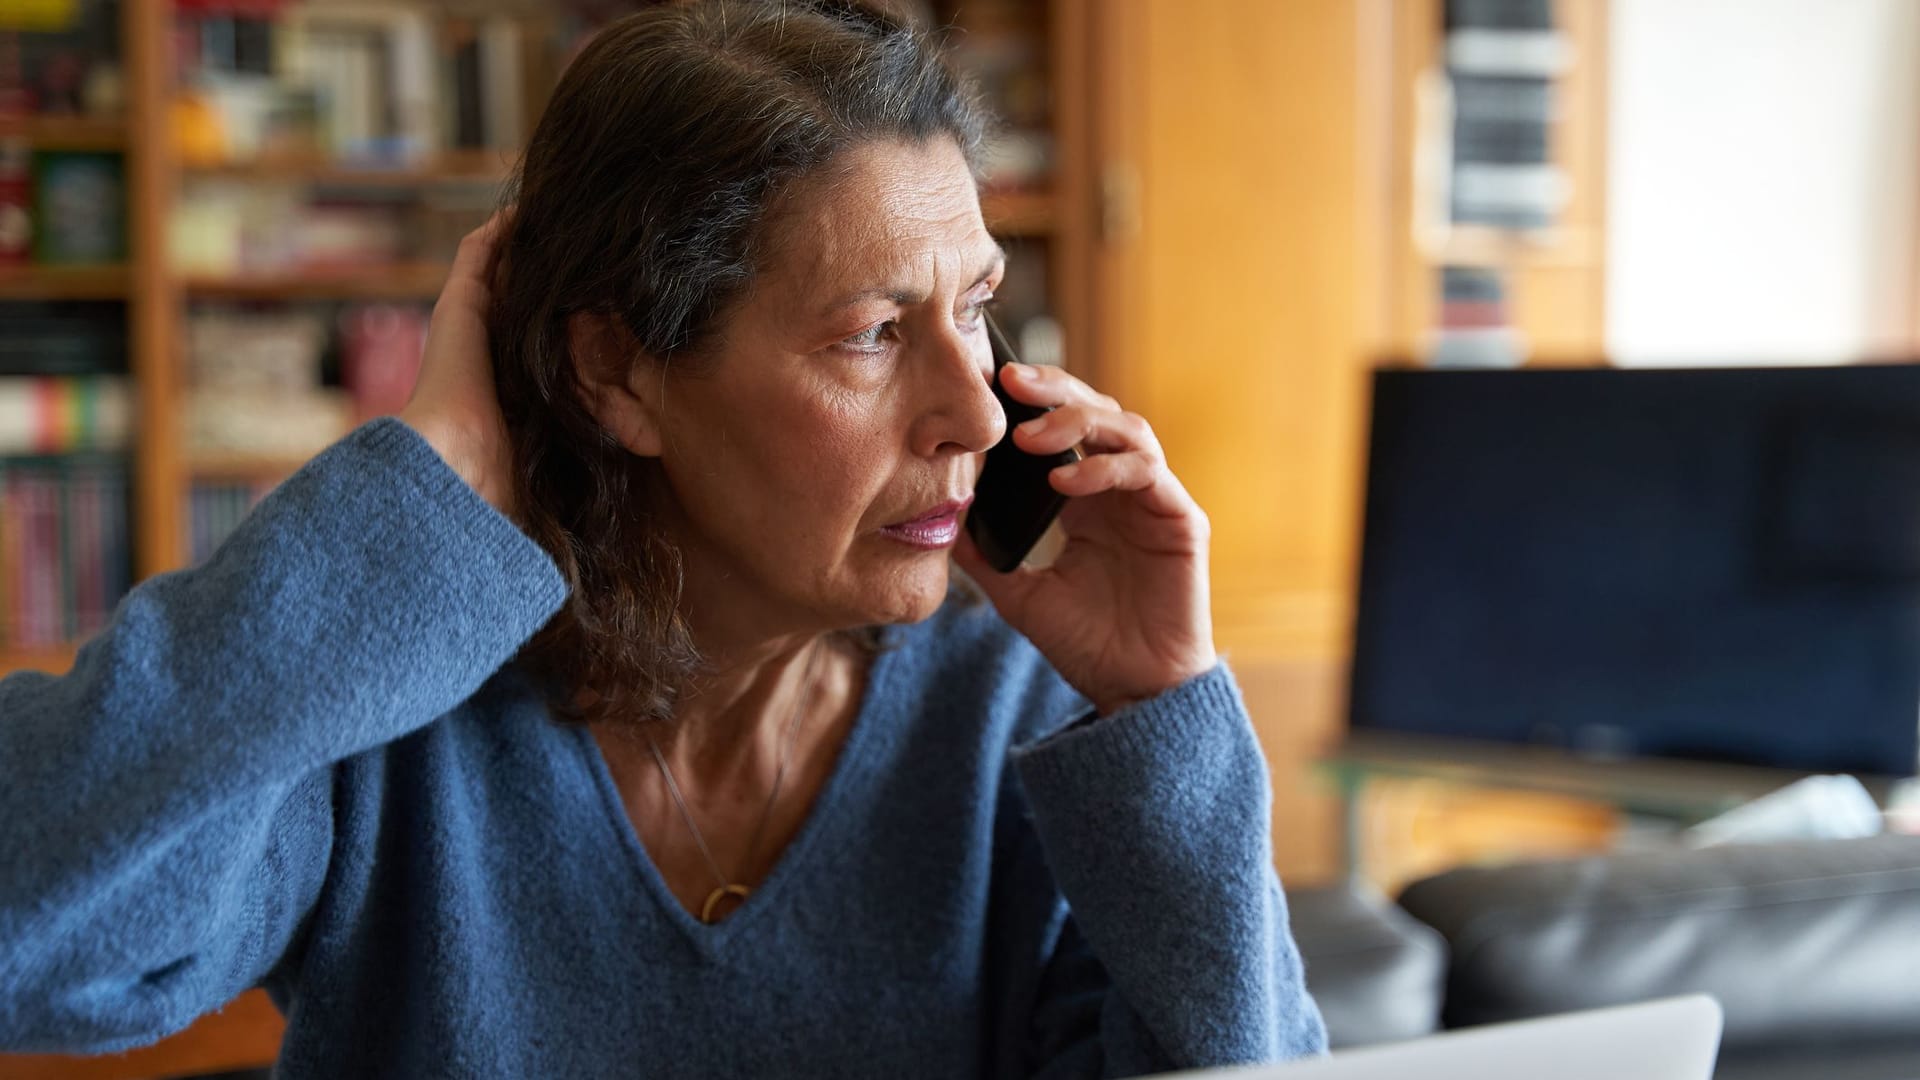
pixel 308 766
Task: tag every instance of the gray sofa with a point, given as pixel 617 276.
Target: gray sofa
pixel 1813 949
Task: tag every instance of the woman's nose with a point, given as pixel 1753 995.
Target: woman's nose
pixel 961 413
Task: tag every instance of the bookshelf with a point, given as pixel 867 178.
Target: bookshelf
pixel 1039 216
pixel 164 166
pixel 1556 279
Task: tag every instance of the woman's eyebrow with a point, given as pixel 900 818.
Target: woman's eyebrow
pixel 904 296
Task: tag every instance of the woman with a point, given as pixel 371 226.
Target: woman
pixel 608 711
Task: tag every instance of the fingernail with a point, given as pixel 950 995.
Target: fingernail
pixel 1034 426
pixel 1018 370
pixel 1066 472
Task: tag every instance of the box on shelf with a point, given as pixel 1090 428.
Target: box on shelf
pixel 265 351
pixel 380 350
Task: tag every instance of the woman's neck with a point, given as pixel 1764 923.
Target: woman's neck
pixel 740 706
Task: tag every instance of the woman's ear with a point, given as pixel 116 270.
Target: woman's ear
pixel 604 360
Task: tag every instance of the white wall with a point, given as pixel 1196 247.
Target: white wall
pixel 1763 184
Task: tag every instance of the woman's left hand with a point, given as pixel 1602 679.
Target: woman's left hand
pixel 1123 613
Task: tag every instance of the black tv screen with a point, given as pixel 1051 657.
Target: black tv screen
pixel 1715 564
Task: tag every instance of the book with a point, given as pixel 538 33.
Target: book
pixel 63 337
pixel 215 509
pixel 79 207
pixel 64 558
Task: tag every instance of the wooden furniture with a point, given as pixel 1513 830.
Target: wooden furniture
pixel 1563 802
pixel 1251 257
pixel 1558 279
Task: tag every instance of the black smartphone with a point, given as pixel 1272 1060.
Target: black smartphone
pixel 1013 504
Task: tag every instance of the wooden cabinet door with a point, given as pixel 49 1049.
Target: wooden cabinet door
pixel 1231 205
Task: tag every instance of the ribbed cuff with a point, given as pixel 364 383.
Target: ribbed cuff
pixel 516 563
pixel 1189 726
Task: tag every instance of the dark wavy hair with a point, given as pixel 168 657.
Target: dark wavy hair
pixel 644 196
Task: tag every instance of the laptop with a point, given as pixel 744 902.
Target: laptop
pixel 1669 1039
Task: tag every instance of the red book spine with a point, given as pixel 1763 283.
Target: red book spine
pixel 34 571
pixel 89 576
pixel 11 513
pixel 51 625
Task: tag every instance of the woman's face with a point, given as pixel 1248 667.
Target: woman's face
pixel 818 464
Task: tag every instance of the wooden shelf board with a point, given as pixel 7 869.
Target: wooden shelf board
pixel 450 167
pixel 1019 213
pixel 55 659
pixel 67 132
pixel 34 281
pixel 1471 246
pixel 398 281
pixel 248 468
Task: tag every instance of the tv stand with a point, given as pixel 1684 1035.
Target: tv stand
pixel 1685 792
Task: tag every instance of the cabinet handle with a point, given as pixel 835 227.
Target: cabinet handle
pixel 1119 202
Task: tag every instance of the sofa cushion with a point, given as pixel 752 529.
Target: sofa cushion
pixel 1375 972
pixel 1801 942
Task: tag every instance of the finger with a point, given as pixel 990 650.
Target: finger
pixel 467 279
pixel 1094 427
pixel 1048 386
pixel 1145 474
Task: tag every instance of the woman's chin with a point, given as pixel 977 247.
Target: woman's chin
pixel 909 595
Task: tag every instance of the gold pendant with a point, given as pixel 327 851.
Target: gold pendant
pixel 738 892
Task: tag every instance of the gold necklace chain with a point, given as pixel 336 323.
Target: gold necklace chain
pixel 726 888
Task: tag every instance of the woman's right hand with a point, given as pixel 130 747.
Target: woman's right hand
pixel 454 406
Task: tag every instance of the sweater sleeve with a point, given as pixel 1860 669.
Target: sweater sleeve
pixel 166 818
pixel 1172 948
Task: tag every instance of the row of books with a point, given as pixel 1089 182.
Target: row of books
pixel 215 509
pixel 63 337
pixel 259 382
pixel 57 414
pixel 65 558
pixel 60 207
pixel 361 82
pixel 1503 58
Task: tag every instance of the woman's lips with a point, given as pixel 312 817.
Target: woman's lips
pixel 938 528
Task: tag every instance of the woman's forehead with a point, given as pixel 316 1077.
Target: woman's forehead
pixel 898 216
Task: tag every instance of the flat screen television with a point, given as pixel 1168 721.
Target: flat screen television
pixel 1718 564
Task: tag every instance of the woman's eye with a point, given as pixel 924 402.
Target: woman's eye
pixel 869 338
pixel 970 315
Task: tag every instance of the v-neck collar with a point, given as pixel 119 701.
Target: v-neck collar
pixel 710 940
